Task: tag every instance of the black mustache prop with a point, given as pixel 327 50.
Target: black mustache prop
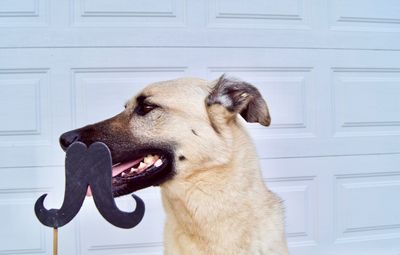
pixel 83 167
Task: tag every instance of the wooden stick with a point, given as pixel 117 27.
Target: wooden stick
pixel 55 241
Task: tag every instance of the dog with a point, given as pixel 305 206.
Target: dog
pixel 186 136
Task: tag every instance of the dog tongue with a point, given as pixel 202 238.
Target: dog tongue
pixel 89 192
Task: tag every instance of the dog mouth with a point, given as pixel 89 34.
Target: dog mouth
pixel 150 168
pixel 137 166
pixel 139 172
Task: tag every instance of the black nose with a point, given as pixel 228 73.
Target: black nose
pixel 68 138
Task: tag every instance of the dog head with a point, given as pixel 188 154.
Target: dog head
pixel 172 129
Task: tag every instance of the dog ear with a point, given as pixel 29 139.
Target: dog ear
pixel 239 97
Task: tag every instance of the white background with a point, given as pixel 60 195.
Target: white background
pixel 329 69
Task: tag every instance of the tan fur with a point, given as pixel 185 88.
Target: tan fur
pixel 217 203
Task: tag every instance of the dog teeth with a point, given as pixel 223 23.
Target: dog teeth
pixel 149 159
pixel 158 163
pixel 142 166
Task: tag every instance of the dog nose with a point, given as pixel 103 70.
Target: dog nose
pixel 68 138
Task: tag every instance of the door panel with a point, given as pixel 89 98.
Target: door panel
pixel 329 71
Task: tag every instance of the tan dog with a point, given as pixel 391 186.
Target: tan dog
pixel 185 135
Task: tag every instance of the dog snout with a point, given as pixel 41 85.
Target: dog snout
pixel 68 138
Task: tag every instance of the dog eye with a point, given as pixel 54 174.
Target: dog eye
pixel 144 108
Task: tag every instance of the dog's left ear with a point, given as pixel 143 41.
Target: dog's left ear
pixel 239 97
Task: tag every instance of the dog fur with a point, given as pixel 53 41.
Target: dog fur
pixel 216 202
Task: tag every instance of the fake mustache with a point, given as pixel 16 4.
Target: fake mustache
pixel 88 167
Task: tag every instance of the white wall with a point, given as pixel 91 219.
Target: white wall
pixel 330 71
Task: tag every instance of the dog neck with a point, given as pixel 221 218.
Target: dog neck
pixel 222 196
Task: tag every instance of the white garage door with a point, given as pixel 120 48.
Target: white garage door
pixel 329 69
